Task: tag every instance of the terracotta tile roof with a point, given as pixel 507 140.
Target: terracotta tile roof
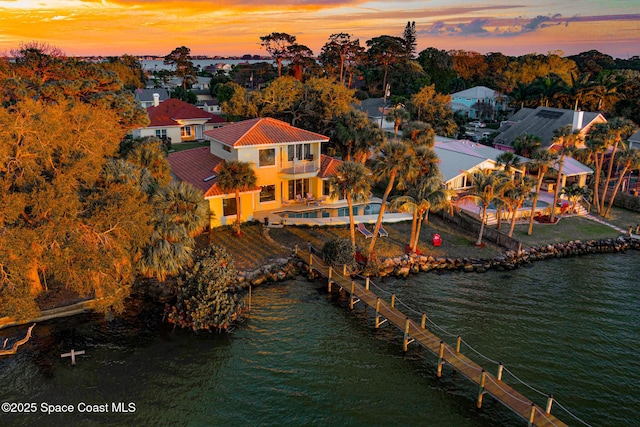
pixel 196 165
pixel 328 166
pixel 262 131
pixel 173 109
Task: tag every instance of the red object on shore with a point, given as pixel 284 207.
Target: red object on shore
pixel 437 240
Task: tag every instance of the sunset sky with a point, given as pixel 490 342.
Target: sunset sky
pixel 115 27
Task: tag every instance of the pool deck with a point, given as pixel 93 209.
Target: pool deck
pixel 276 221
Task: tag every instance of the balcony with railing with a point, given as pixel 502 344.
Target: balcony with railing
pixel 300 168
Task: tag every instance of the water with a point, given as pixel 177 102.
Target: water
pixel 157 65
pixel 567 326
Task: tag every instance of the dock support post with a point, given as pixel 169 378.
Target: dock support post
pixel 393 300
pixel 406 335
pixel 366 284
pixel 532 414
pixel 344 269
pixel 296 249
pixel 440 359
pixel 424 321
pixel 549 403
pixel 330 275
pixel 249 297
pixel 352 298
pixel 458 344
pixel 500 368
pixel 377 311
pixel 483 376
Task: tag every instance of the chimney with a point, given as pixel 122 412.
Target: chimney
pixel 156 100
pixel 578 117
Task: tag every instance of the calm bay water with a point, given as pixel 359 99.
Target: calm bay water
pixel 570 327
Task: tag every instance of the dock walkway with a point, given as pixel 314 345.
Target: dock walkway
pixel 415 332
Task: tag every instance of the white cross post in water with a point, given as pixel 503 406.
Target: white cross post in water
pixel 73 355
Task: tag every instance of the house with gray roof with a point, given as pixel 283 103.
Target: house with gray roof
pixel 146 97
pixel 542 122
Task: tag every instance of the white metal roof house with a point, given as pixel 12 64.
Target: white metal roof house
pixel 479 102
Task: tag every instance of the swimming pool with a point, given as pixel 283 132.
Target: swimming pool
pixel 368 209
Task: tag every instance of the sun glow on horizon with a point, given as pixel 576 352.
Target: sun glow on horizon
pixel 101 27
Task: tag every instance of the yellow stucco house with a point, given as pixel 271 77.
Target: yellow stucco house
pixel 288 164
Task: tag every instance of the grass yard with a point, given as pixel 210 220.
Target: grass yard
pixel 188 145
pixel 258 246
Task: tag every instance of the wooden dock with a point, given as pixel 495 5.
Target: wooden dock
pixel 415 332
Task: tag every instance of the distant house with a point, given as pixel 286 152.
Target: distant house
pixel 286 160
pixel 376 109
pixel 178 121
pixel 211 106
pixel 151 97
pixel 542 122
pixel 478 102
pixel 634 140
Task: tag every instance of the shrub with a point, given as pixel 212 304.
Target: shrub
pixel 338 251
pixel 206 297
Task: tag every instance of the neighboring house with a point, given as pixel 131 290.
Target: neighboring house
pixel 150 97
pixel 374 108
pixel 211 106
pixel 634 140
pixel 542 122
pixel 459 158
pixel 286 159
pixel 178 121
pixel 479 102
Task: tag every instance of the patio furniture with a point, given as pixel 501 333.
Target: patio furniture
pixel 382 232
pixel 365 232
pixel 310 199
pixel 285 202
pixel 299 198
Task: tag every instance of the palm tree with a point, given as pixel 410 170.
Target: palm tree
pixel 526 144
pixel 397 116
pixel 565 138
pixel 514 195
pixel 542 161
pixel 355 134
pixel 485 183
pixel 596 146
pixel 509 161
pixel 574 193
pixel 180 212
pixel 351 179
pixel 236 176
pixel 396 161
pixel 617 130
pixel 630 160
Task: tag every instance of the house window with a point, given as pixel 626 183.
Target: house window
pixel 298 152
pixel 229 207
pixel 185 131
pixel 268 193
pixel 267 157
pixel 226 148
pixel 161 133
pixel 326 187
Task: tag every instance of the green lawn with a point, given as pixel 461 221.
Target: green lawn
pixel 188 145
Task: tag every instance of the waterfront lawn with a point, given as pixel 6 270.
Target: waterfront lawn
pixel 455 243
pixel 567 229
pixel 623 218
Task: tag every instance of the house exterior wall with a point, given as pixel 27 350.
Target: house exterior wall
pixel 172 132
pixel 217 219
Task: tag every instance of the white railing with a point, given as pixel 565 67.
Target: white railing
pixel 301 166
